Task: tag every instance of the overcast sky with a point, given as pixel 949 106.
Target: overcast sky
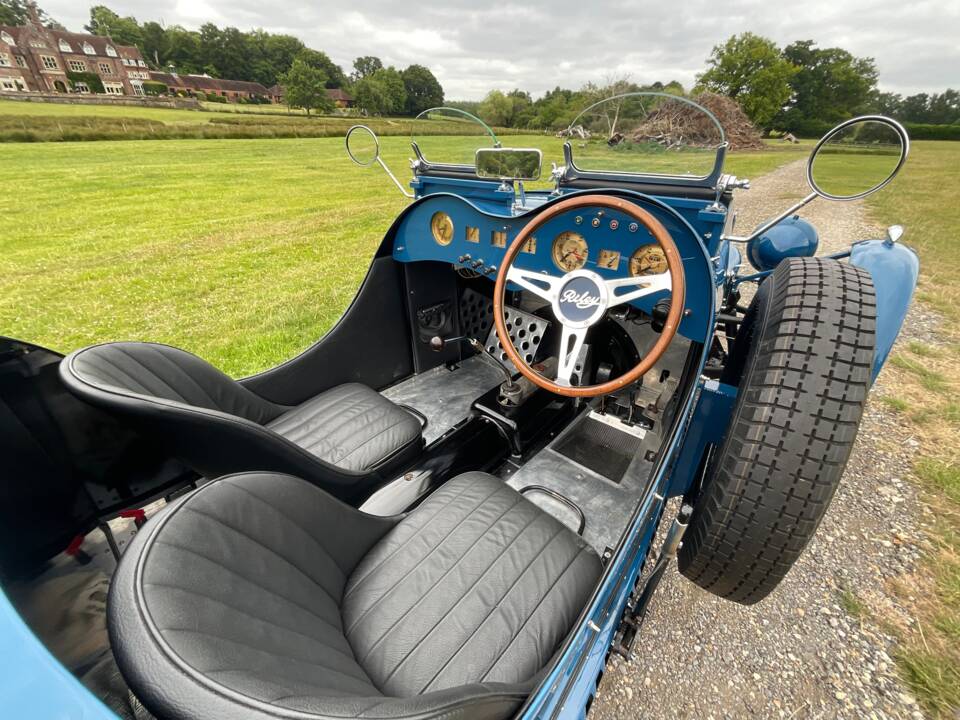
pixel 473 46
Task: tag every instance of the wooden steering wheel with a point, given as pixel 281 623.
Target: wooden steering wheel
pixel 581 297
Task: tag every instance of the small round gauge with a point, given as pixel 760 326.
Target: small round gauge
pixel 442 228
pixel 570 251
pixel 648 260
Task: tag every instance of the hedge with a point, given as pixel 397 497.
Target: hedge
pixel 152 87
pixel 213 97
pixel 917 131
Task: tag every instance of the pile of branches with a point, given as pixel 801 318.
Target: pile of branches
pixel 676 124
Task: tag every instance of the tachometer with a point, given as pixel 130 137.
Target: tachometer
pixel 648 260
pixel 569 251
pixel 441 226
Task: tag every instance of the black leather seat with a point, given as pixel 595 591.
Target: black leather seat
pixel 260 596
pixel 346 440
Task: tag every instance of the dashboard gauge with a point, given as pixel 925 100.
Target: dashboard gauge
pixel 648 260
pixel 473 234
pixel 441 225
pixel 530 246
pixel 609 259
pixel 498 239
pixel 570 251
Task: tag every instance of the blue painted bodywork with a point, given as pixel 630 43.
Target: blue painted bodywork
pixel 792 237
pixel 894 269
pixel 34 684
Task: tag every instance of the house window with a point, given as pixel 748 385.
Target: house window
pixel 113 88
pixel 7 38
pixel 77 65
pixel 8 84
pixel 88 49
pixel 105 69
pixel 36 44
pixel 141 63
pixel 81 87
pixel 64 46
pixel 49 63
pixel 21 61
pixel 137 87
pixel 110 51
pixel 4 60
pixel 127 61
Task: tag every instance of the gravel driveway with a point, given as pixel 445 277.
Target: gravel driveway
pixel 805 651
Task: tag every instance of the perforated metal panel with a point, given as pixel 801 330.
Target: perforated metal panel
pixel 526 332
pixel 476 314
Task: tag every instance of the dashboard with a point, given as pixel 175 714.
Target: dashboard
pixel 447 228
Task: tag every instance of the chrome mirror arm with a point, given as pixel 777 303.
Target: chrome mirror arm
pixel 396 182
pixel 770 223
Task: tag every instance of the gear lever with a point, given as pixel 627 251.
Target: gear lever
pixel 508 387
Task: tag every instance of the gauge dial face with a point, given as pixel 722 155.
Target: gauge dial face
pixel 609 259
pixel 648 260
pixel 441 226
pixel 570 251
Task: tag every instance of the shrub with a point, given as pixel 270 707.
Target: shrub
pixel 152 87
pixel 919 131
pixel 92 80
pixel 213 97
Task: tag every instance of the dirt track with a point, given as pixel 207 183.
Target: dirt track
pixel 810 650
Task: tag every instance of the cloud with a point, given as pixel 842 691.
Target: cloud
pixel 538 45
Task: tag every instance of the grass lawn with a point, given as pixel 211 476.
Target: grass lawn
pixel 928 401
pixel 244 251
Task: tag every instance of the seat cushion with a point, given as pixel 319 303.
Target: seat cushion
pixel 260 596
pixel 350 426
pixel 478 585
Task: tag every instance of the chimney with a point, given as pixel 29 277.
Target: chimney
pixel 34 14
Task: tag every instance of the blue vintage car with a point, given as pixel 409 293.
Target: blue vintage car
pixel 448 506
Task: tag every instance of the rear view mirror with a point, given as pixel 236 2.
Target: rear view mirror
pixel 857 158
pixel 509 163
pixel 363 147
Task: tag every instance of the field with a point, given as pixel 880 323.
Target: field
pixel 245 251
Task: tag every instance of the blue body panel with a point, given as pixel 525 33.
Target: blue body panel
pixel 894 269
pixel 792 237
pixel 32 683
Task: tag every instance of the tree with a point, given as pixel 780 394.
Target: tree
pixel 829 85
pixel 305 87
pixel 17 12
pixel 382 93
pixel 750 69
pixel 422 88
pixel 320 61
pixel 365 66
pixel 123 30
pixel 512 109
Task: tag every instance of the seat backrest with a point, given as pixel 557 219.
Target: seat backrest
pixel 159 371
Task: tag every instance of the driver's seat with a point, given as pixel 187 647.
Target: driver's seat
pixel 346 440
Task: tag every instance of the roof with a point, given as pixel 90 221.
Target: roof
pixel 205 82
pixel 22 34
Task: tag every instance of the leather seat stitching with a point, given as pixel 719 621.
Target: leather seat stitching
pixel 533 612
pixel 233 641
pixel 402 545
pixel 265 589
pixel 439 580
pixel 130 378
pixel 186 373
pixel 466 593
pixel 503 597
pixel 422 560
pixel 148 371
pixel 270 550
pixel 294 523
pixel 322 641
pixel 365 442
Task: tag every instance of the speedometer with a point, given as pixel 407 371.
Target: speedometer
pixel 570 251
pixel 648 260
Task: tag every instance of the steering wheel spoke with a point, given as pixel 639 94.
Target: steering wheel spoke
pixel 540 284
pixel 571 344
pixel 642 285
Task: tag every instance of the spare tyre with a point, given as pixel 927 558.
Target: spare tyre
pixel 802 362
